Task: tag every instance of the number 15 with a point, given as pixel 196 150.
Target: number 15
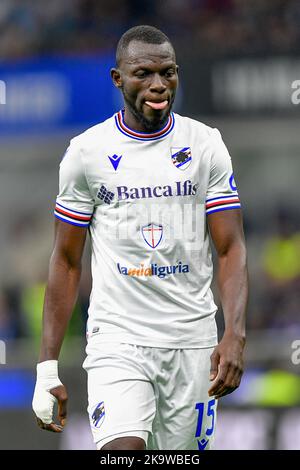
pixel 210 412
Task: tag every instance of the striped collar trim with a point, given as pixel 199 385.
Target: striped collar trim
pixel 119 118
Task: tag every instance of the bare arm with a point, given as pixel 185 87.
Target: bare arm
pixel 75 205
pixel 62 287
pixel 227 360
pixel 60 297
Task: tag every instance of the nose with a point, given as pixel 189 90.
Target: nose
pixel 157 84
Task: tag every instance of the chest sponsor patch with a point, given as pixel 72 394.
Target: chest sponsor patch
pixel 153 270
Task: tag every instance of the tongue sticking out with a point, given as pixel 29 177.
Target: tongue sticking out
pixel 153 105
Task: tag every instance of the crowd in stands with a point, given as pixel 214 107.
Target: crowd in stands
pixel 213 27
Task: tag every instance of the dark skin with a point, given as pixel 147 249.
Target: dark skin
pixel 60 298
pixel 226 229
pixel 148 73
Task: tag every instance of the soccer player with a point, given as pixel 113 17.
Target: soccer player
pixel 149 186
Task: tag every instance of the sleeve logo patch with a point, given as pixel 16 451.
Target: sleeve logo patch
pixel 232 183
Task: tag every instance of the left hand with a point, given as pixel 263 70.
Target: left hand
pixel 227 365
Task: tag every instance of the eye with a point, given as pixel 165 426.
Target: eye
pixel 141 73
pixel 169 73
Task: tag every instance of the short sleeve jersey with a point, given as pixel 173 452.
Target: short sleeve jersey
pixel 145 199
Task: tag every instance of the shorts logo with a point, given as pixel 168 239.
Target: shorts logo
pixel 152 234
pixel 105 195
pixel 98 415
pixel 202 444
pixel 181 157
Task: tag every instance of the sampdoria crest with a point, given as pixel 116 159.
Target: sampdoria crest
pixel 181 157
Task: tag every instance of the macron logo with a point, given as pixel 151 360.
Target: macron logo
pixel 202 444
pixel 115 160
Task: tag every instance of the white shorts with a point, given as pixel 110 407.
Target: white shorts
pixel 159 395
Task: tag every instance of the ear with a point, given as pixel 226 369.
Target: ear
pixel 116 77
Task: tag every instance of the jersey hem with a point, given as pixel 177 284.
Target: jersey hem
pixel 210 342
pixel 127 428
pixel 136 433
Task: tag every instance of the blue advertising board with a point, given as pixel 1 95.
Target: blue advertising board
pixel 45 95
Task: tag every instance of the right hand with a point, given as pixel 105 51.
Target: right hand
pixel 48 391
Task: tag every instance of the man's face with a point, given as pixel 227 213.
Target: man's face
pixel 148 78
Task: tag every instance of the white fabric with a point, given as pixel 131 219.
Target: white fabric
pixel 146 291
pixel 162 392
pixel 141 434
pixel 47 379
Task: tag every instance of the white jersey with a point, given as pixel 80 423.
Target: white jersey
pixel 145 198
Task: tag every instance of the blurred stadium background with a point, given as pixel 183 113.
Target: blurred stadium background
pixel 238 62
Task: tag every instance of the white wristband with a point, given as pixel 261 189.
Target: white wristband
pixel 47 373
pixel 47 379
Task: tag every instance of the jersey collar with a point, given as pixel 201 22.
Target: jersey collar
pixel 119 118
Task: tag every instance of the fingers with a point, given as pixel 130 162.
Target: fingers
pixel 226 391
pixel 214 359
pixel 220 380
pixel 227 381
pixel 60 394
pixel 49 427
pixel 228 384
pixel 43 404
pixel 62 412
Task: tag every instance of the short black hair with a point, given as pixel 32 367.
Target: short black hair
pixel 143 33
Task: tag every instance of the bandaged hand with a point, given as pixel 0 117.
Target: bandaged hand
pixel 48 391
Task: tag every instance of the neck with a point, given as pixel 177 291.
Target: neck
pixel 137 121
